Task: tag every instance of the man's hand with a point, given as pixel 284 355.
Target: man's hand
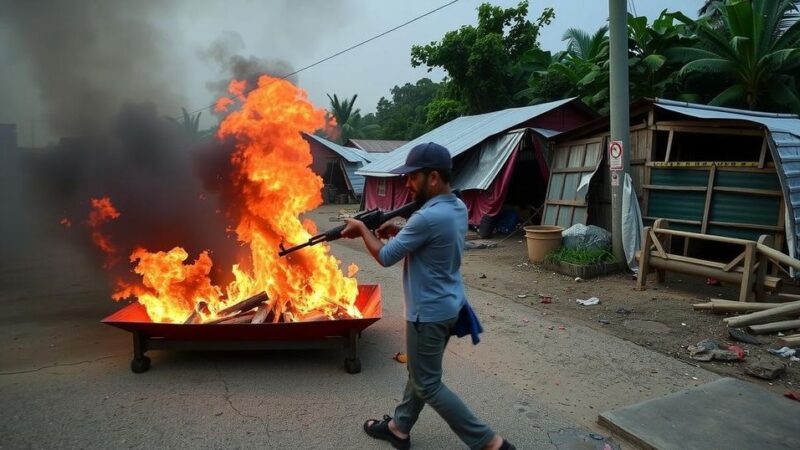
pixel 353 229
pixel 387 230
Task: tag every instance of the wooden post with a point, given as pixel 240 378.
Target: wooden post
pixel 712 175
pixel 661 274
pixel 669 145
pixel 763 262
pixel 644 260
pixel 747 277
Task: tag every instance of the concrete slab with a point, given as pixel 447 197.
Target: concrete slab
pixel 726 413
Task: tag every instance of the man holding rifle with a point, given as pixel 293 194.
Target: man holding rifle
pixel 432 243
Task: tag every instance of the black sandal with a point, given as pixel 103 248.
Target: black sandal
pixel 507 446
pixel 379 429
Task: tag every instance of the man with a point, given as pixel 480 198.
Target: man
pixel 432 243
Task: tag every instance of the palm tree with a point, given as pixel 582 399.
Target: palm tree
pixel 751 54
pixel 342 110
pixel 349 121
pixel 582 45
pixel 189 122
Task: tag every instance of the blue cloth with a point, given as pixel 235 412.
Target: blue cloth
pixel 468 323
pixel 432 243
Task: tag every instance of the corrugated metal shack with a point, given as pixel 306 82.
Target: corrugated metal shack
pixel 485 148
pixel 374 145
pixel 337 165
pixel 705 169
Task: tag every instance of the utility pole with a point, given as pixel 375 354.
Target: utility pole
pixel 619 145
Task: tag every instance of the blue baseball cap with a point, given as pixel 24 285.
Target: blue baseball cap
pixel 425 156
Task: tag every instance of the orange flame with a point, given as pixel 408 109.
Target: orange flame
pixel 275 185
pixel 102 211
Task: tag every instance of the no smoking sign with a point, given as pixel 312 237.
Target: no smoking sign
pixel 615 155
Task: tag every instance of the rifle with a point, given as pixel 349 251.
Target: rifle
pixel 373 219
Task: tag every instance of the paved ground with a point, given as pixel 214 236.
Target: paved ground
pixel 65 381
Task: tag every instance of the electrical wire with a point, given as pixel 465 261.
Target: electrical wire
pixel 352 47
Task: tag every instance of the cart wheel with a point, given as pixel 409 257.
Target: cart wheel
pixel 352 365
pixel 140 365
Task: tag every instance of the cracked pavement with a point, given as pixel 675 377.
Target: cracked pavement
pixel 65 379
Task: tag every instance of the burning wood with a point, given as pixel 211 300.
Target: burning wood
pixel 261 314
pixel 246 304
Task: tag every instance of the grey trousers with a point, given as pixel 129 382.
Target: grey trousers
pixel 425 344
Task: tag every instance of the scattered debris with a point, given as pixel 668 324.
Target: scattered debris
pixel 783 352
pixel 767 370
pixel 479 244
pixel 794 395
pixel 588 302
pixel 483 275
pixel 578 279
pixel 738 334
pixel 624 312
pixel 400 357
pixel 562 327
pixel 683 324
pixel 545 299
pixel 712 282
pixel 709 349
pixel 525 320
pixel 522 295
pixel 604 321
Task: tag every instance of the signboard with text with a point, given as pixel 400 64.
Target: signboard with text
pixel 615 155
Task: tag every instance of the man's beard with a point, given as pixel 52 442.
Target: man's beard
pixel 421 196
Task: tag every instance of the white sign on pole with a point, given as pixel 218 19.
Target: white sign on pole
pixel 615 155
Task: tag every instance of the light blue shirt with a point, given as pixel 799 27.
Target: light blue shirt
pixel 432 243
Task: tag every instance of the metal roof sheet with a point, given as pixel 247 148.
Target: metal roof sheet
pixel 351 155
pixel 461 134
pixel 375 145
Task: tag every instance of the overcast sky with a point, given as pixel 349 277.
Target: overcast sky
pixel 300 33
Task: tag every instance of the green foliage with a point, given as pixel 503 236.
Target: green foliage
pixel 651 72
pixel 581 256
pixel 349 122
pixel 754 57
pixel 480 60
pixel 404 117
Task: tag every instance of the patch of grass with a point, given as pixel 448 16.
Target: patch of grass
pixel 581 256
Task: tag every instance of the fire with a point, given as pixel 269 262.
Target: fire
pixel 102 211
pixel 275 185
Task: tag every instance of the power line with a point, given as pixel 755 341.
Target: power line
pixel 348 48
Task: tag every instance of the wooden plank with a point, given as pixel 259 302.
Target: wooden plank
pixel 707 237
pixel 591 140
pixel 733 263
pixel 664 187
pixel 747 226
pixel 740 190
pixel 761 275
pixel 763 316
pixel 763 156
pixel 732 166
pixel 669 145
pixel 680 221
pixel 566 202
pixel 729 131
pixel 657 243
pixel 574 169
pixel 699 124
pixel 712 176
pixel 644 259
pixel 748 277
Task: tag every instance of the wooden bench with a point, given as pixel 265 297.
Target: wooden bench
pixel 748 268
